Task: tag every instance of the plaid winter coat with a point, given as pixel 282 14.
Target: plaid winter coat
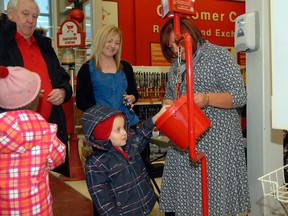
pixel 29 148
pixel 116 185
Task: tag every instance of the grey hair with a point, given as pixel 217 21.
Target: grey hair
pixel 13 4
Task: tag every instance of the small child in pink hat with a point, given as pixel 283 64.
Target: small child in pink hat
pixel 29 146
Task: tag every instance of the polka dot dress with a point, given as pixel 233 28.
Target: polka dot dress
pixel 215 70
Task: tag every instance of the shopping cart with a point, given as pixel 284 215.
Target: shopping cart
pixel 274 185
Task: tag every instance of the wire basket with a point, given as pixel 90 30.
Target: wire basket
pixel 273 184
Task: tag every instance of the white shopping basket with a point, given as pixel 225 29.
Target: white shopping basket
pixel 274 185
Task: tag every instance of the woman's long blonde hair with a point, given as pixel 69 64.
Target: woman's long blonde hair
pixel 102 35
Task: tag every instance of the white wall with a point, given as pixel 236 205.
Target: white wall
pixel 264 145
pixel 279 47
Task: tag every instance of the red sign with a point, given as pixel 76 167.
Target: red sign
pixel 180 6
pixel 70 35
pixel 157 58
pixel 215 18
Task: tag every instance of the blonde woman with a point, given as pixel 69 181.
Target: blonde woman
pixel 105 78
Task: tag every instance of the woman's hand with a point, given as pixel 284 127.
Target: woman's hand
pixel 130 99
pixel 220 100
pixel 201 99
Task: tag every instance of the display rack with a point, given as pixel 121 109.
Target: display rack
pixel 151 83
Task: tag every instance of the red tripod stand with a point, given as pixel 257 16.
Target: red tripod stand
pixel 200 156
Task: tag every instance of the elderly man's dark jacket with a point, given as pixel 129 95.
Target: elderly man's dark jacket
pixel 10 56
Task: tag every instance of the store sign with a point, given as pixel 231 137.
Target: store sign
pixel 70 35
pixel 157 58
pixel 215 19
pixel 179 6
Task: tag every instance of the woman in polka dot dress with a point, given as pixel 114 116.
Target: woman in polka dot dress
pixel 218 90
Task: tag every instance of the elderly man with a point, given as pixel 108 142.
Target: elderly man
pixel 22 45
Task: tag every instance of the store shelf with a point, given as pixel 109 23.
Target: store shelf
pixel 141 103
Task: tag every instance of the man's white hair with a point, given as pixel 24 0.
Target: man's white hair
pixel 13 4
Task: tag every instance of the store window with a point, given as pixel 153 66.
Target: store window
pixel 88 22
pixel 45 19
pixel 3 6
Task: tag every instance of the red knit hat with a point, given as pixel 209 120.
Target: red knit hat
pixel 103 129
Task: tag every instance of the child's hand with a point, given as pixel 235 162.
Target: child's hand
pixel 162 110
pixel 167 102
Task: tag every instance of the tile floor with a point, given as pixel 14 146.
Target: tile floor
pixel 81 187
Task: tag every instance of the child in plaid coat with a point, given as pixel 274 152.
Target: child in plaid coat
pixel 116 176
pixel 29 146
